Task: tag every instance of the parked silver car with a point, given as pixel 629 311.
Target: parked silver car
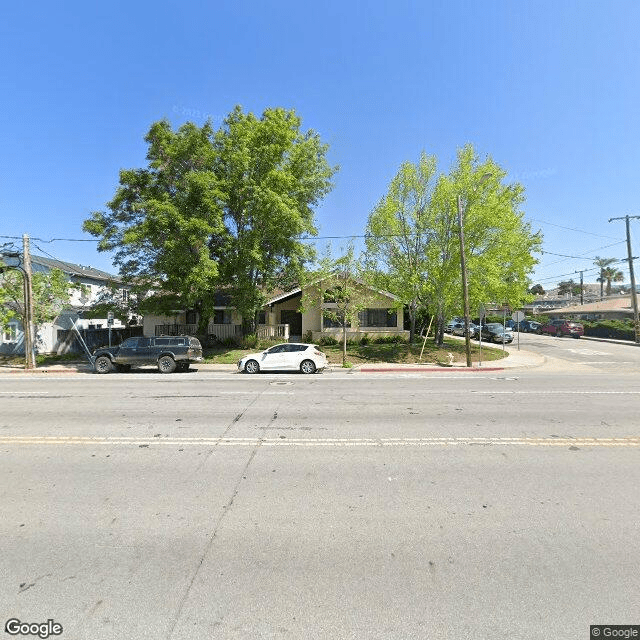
pixel 458 329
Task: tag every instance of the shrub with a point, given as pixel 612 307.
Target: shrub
pixel 327 341
pixel 308 337
pixel 365 340
pixel 616 329
pixel 397 339
pixel 249 341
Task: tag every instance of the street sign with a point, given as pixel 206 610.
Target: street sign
pixel 517 316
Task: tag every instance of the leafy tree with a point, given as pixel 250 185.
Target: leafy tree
pixel 537 290
pixel 568 286
pixel 499 245
pixel 50 291
pixel 216 208
pixel 398 233
pixel 271 175
pixel 339 287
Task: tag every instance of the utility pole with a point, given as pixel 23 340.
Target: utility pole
pixel 581 287
pixel 634 295
pixel 29 342
pixel 465 290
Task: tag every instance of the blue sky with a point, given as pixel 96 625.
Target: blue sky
pixel 550 90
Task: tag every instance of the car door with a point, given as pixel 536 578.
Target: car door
pixel 127 351
pixel 273 358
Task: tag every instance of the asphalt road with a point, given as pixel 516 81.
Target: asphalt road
pixel 440 505
pixel 596 354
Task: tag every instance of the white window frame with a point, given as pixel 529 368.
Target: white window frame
pixel 10 333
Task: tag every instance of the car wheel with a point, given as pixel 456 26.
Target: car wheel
pixel 103 364
pixel 166 364
pixel 307 366
pixel 251 366
pixel 559 333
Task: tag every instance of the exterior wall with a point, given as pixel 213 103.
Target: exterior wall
pixel 149 322
pixel 312 317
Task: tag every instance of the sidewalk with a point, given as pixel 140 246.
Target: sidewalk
pixel 517 359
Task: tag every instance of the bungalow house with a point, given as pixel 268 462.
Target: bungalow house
pixel 283 317
pixel 54 336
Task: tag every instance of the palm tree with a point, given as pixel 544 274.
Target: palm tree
pixel 611 274
pixel 603 263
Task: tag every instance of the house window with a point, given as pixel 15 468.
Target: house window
pixel 378 318
pixel 262 317
pixel 331 323
pixel 222 316
pixel 10 333
pixel 191 317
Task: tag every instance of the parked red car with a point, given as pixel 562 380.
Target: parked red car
pixel 563 328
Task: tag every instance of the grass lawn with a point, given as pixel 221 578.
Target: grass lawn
pixel 356 354
pixel 396 353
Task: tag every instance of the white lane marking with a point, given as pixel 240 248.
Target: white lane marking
pixel 321 442
pixel 15 393
pixel 588 352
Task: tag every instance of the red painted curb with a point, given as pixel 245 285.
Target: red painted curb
pixel 470 369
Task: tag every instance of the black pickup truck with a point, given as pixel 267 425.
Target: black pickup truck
pixel 168 353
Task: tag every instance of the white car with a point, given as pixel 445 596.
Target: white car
pixel 290 356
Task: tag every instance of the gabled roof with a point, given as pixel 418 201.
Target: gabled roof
pixel 73 269
pixel 298 290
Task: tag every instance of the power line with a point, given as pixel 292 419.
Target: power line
pixel 590 233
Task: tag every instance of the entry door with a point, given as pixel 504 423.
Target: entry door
pixel 294 320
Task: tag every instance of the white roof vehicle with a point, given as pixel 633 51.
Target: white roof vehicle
pixel 290 356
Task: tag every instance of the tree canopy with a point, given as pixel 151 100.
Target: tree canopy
pixel 216 209
pixel 50 295
pixel 422 256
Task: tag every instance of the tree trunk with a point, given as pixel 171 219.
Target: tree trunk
pixel 412 321
pixel 344 343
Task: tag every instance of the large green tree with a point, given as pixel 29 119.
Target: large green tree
pixel 398 233
pixel 270 175
pixel 423 255
pixel 500 246
pixel 216 209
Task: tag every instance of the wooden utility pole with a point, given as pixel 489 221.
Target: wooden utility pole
pixel 29 337
pixel 634 295
pixel 581 286
pixel 465 290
